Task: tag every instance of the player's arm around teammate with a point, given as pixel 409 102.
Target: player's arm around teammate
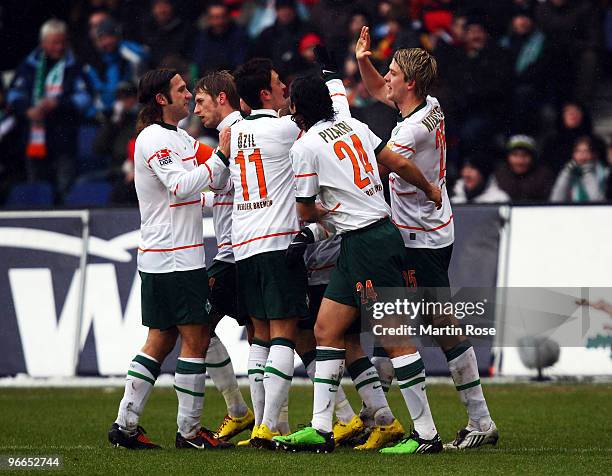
pixel 335 159
pixel 170 262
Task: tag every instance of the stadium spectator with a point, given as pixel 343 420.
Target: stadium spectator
pixel 526 45
pixel 123 193
pixel 339 22
pixel 115 60
pixel 394 33
pixel 120 128
pixel 477 183
pixel 306 49
pixel 357 20
pixel 85 44
pixel 521 176
pixel 574 121
pixel 573 28
pixel 280 42
pixel 49 94
pixel 165 33
pixel 479 81
pixel 257 15
pixel 221 44
pixel 583 178
pixel 11 167
pixel 434 18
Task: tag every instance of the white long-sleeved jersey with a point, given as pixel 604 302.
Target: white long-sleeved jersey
pixel 169 184
pixel 337 161
pixel 264 216
pixel 421 137
pixel 222 205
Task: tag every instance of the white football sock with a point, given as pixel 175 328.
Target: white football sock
pixel 189 381
pixel 139 382
pixel 221 371
pixel 344 410
pixel 258 355
pixel 370 390
pixel 329 370
pixel 410 373
pixel 384 368
pixel 463 367
pixel 277 379
pixel 283 419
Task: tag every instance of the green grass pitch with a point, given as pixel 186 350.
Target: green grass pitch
pixel 544 429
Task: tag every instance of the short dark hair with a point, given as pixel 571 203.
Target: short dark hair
pixel 151 84
pixel 253 77
pixel 311 100
pixel 220 82
pixel 216 3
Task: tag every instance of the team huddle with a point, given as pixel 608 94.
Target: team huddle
pixel 304 235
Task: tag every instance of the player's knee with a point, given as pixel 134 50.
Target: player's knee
pixel 194 341
pixel 160 343
pixel 326 334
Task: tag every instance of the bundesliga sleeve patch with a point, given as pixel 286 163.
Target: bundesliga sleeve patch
pixel 163 157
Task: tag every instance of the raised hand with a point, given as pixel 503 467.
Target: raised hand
pixel 326 60
pixel 362 48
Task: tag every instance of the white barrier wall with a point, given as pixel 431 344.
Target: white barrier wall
pixel 44 291
pixel 562 246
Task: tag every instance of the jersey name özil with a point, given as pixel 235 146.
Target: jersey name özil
pixel 264 216
pixel 421 137
pixel 337 161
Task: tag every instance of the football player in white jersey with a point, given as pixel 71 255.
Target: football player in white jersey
pixel 264 221
pixel 428 233
pixel 171 263
pixel 217 104
pixel 375 426
pixel 336 162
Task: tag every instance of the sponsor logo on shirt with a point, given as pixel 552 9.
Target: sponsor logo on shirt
pixel 163 157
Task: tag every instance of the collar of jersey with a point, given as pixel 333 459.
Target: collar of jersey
pixel 165 125
pixel 229 120
pixel 418 108
pixel 322 122
pixel 259 113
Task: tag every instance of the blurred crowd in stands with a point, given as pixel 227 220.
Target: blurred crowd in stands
pixel 518 82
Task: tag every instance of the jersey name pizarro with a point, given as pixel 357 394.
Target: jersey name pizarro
pixel 337 161
pixel 264 217
pixel 421 137
pixel 169 199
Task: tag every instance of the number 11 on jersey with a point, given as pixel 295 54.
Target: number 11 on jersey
pixel 255 158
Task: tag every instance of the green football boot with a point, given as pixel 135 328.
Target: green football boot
pixel 415 444
pixel 306 439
